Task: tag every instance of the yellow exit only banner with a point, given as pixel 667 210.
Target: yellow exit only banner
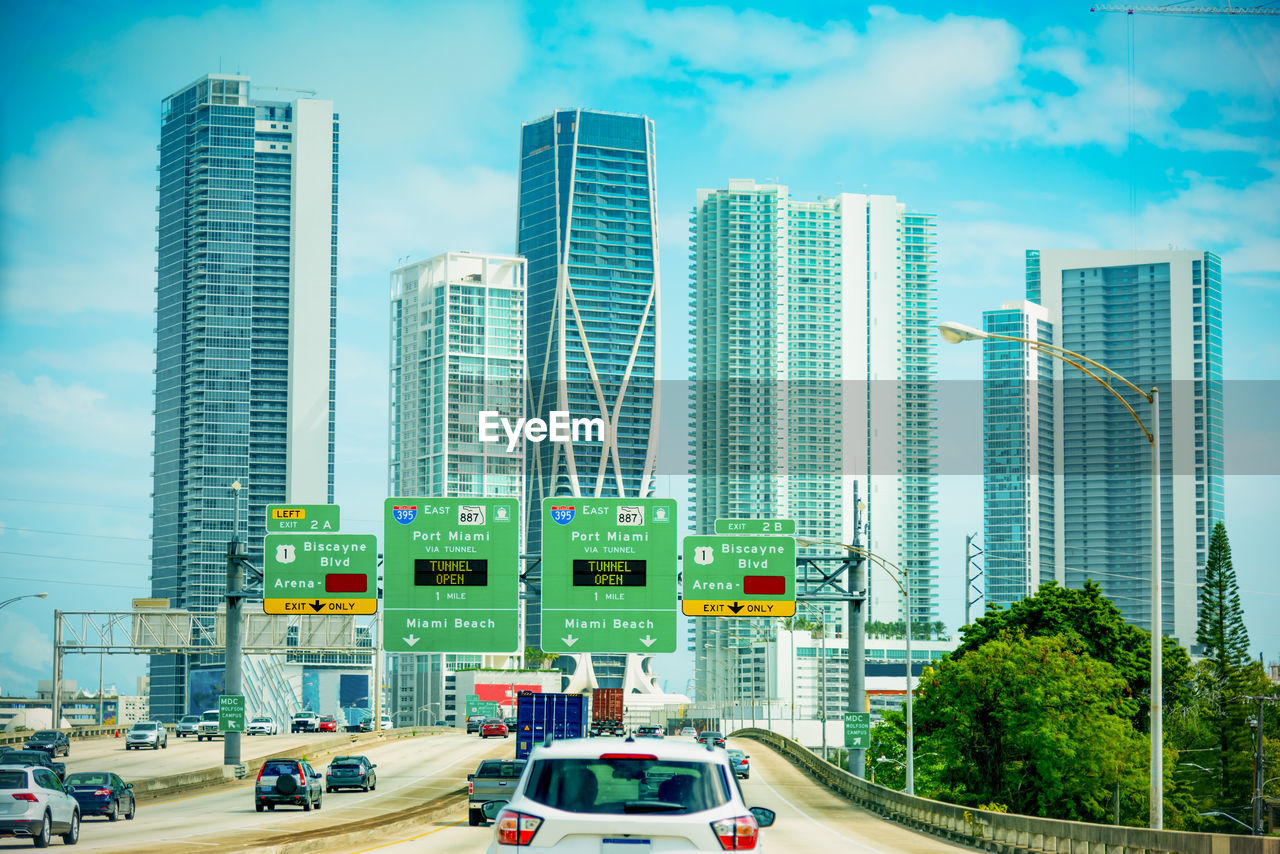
pixel 320 606
pixel 735 608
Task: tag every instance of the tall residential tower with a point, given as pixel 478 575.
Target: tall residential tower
pixel 1154 317
pixel 246 335
pixel 814 383
pixel 457 348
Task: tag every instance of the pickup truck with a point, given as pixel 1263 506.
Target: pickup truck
pixel 494 780
pixel 33 757
pixel 208 726
pixel 305 722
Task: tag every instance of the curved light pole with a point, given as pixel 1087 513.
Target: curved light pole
pixel 955 333
pixel 24 596
pixel 903 580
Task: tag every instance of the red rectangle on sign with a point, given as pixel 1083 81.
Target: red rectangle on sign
pixel 764 585
pixel 346 582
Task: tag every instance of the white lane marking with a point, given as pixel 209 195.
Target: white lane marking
pixel 804 814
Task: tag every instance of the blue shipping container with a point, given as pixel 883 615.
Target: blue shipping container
pixel 563 715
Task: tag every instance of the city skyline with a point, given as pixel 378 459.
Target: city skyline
pixel 1021 142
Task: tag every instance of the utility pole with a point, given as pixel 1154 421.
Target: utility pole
pixel 856 585
pixel 233 679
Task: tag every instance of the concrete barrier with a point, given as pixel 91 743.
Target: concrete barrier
pixel 1005 832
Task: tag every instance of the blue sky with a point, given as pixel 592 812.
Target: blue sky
pixel 1010 123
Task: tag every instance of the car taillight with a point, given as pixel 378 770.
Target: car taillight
pixel 101 792
pixel 471 787
pixel 302 780
pixel 25 796
pixel 736 834
pixel 516 828
pixel 260 773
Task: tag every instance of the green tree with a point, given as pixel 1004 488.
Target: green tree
pixel 537 659
pixel 1091 618
pixel 1035 723
pixel 1220 631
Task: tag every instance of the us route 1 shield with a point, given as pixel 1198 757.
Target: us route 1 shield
pixel 739 576
pixel 302 518
pixel 451 577
pixel 320 574
pixel 609 575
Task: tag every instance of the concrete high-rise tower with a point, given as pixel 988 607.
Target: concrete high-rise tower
pixel 587 223
pixel 813 371
pixel 245 341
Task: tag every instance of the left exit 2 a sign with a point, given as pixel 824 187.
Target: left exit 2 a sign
pixel 302 518
pixel 320 574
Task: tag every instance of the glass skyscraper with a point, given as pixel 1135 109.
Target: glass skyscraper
pixel 1018 458
pixel 457 348
pixel 814 388
pixel 246 341
pixel 587 223
pixel 1154 317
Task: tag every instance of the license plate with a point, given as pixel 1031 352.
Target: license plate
pixel 624 846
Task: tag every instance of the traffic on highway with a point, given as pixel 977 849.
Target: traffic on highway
pixel 439 790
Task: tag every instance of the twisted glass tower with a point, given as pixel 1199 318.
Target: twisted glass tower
pixel 587 223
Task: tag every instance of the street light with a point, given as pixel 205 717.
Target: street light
pixel 957 332
pixel 24 596
pixel 890 568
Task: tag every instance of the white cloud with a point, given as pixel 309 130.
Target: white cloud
pixel 27 653
pixel 73 414
pixel 122 356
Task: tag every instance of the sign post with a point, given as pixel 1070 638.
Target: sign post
pixel 451 575
pixel 609 575
pixel 320 574
pixel 302 518
pixel 739 576
pixel 231 713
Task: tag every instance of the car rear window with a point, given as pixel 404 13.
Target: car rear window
pixel 13 780
pixel 624 785
pixel 499 768
pixel 278 767
pixel 87 779
pixel 347 766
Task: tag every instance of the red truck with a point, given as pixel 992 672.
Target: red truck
pixel 606 712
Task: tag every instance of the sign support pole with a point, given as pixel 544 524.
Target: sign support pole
pixel 855 583
pixel 233 679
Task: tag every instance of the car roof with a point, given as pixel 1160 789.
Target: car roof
pixel 582 748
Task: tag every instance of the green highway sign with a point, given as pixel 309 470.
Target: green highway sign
pixel 300 518
pixel 320 574
pixel 755 526
pixel 476 706
pixel 451 575
pixel 739 576
pixel 609 574
pixel 231 713
pixel 857 730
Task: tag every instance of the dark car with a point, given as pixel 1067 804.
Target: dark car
pixel 50 741
pixel 715 739
pixel 351 772
pixel 474 722
pixel 741 764
pixel 102 793
pixel 34 757
pixel 649 732
pixel 287 781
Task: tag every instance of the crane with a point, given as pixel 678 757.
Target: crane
pixel 1187 10
pixel 311 92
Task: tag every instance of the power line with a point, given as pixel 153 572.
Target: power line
pixel 76 583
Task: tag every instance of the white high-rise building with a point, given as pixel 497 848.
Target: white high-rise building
pixel 814 382
pixel 457 348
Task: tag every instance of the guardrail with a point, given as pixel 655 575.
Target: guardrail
pixel 74 732
pixel 1005 832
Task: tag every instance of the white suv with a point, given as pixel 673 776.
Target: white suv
pixel 581 795
pixel 36 805
pixel 146 734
